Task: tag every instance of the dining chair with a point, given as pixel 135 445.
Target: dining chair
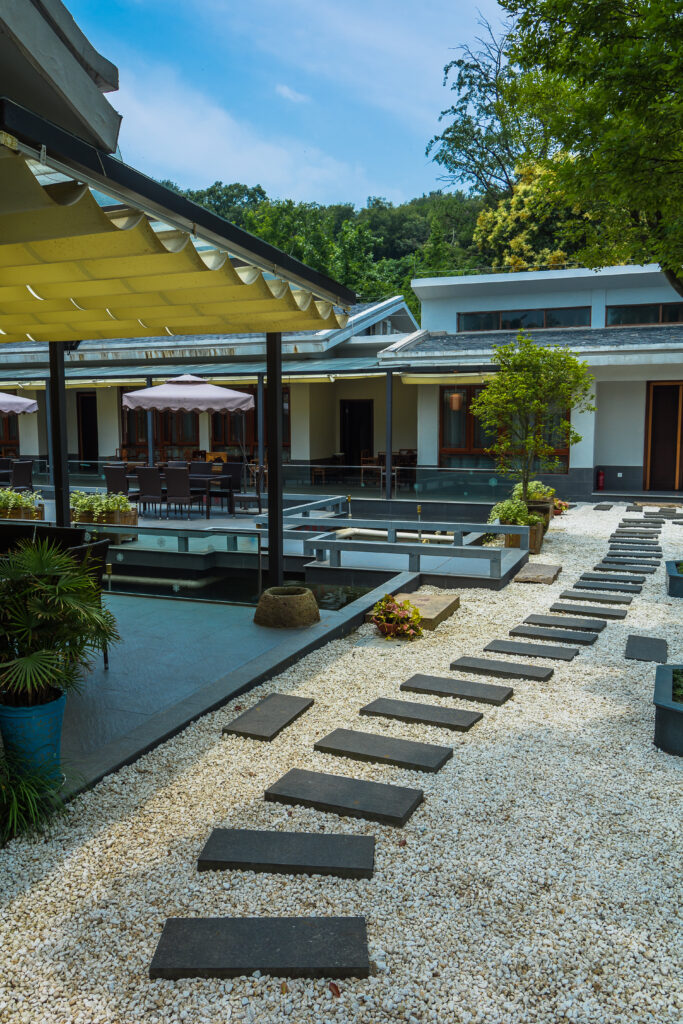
pixel 178 491
pixel 151 490
pixel 21 475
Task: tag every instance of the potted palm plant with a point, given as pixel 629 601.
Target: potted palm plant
pixel 21 504
pixel 51 623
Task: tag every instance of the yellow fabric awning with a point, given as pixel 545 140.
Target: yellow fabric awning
pixel 70 270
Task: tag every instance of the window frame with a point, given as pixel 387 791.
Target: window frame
pixel 9 446
pixel 541 309
pixel 639 323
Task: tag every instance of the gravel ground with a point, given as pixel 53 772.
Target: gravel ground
pixel 540 880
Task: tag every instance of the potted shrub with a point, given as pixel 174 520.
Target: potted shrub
pixel 394 618
pixel 115 509
pixel 540 499
pixel 21 504
pixel 513 512
pixel 51 623
pixel 668 701
pixel 560 507
pixel 674 579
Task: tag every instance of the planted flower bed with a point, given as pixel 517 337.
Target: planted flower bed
pixel 21 504
pixel 112 509
pixel 668 701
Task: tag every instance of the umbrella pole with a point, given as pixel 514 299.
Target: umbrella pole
pixel 57 403
pixel 274 425
pixel 150 431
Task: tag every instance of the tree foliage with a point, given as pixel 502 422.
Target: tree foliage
pixel 605 78
pixel 525 405
pixel 487 131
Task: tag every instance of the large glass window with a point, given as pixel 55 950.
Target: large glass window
pixel 645 313
pixel 225 429
pixel 9 435
pixel 515 319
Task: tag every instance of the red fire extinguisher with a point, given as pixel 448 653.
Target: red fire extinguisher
pixel 601 480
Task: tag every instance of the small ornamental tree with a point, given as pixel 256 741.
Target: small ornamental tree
pixel 525 407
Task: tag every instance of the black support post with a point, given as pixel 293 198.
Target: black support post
pixel 389 439
pixel 274 424
pixel 57 429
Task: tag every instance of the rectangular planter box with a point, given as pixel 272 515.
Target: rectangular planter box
pixel 668 712
pixel 30 514
pixel 109 518
pixel 674 579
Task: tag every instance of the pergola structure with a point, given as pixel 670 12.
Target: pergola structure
pixel 149 264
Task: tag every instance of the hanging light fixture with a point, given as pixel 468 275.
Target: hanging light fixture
pixel 455 401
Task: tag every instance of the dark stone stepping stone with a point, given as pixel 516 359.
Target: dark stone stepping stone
pixel 288 853
pixel 619 587
pixel 543 633
pixel 567 622
pixel 609 566
pixel 646 648
pixel 602 508
pixel 532 650
pixel 598 577
pixel 465 689
pixel 368 746
pixel 269 717
pixel 632 559
pixel 423 714
pixel 588 595
pixel 578 609
pixel 502 669
pixel 354 798
pixel 652 551
pixel 288 947
pixel 633 508
pixel 643 524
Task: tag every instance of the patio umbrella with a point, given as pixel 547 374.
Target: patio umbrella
pixel 186 393
pixel 14 403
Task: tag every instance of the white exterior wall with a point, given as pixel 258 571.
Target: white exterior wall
pixel 108 426
pixel 28 428
pixel 620 434
pixel 582 455
pixel 324 421
pixel 71 422
pixel 300 421
pixel 427 424
pixel 204 431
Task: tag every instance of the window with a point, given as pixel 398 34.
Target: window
pixel 463 440
pixel 174 430
pixel 645 313
pixel 225 429
pixel 515 319
pixel 9 435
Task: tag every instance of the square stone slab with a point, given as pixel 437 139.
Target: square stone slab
pixel 434 608
pixel 355 798
pixel 590 595
pixel 602 508
pixel 288 947
pixel 423 714
pixel 368 746
pixel 646 648
pixel 567 622
pixel 544 633
pixel 465 689
pixel 269 717
pixel 532 650
pixel 578 609
pixel 502 669
pixel 623 588
pixel 537 572
pixel 288 853
pixel 609 566
pixel 600 576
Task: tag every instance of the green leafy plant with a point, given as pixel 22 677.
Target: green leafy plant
pixel 28 800
pixel 51 623
pixel 97 505
pixel 560 506
pixel 397 618
pixel 536 491
pixel 525 406
pixel 513 512
pixel 677 685
pixel 10 500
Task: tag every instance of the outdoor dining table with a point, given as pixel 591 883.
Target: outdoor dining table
pixel 206 480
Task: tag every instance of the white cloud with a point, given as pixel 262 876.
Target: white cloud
pixel 291 94
pixel 171 130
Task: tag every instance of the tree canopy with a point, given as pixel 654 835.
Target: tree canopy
pixel 605 78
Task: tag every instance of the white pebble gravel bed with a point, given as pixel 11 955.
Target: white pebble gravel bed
pixel 539 881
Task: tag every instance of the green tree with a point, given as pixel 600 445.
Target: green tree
pixel 531 229
pixel 487 131
pixel 605 78
pixel 229 201
pixel 525 406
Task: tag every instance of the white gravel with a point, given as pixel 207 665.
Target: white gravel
pixel 540 880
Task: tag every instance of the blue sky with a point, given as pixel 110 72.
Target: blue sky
pixel 314 100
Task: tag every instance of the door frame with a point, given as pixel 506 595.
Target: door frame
pixel 647 459
pixel 349 401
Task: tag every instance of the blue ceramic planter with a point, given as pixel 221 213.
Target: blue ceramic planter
pixel 34 735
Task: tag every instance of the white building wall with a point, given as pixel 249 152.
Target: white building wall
pixel 324 421
pixel 300 420
pixel 620 432
pixel 108 425
pixel 28 428
pixel 427 424
pixel 71 422
pixel 582 455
